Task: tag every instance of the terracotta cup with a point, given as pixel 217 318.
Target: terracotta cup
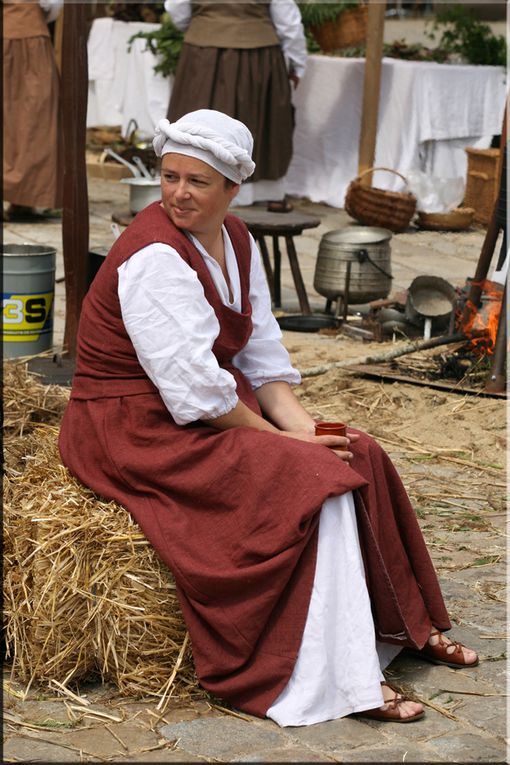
pixel 331 429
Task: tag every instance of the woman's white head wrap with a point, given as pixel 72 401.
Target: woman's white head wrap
pixel 220 141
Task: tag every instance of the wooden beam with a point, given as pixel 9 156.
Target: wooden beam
pixel 57 41
pixel 371 87
pixel 75 213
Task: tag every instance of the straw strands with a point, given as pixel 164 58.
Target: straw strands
pixel 84 592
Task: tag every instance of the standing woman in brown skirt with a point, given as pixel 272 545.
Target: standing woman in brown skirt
pixel 32 174
pixel 240 58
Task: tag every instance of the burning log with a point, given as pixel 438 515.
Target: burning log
pixel 484 318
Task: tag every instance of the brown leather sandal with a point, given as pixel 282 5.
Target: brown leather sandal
pixel 392 712
pixel 439 654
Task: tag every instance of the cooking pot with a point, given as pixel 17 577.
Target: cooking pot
pixel 430 298
pixel 360 252
pixel 142 191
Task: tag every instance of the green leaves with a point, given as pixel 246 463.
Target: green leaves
pixel 463 36
pixel 314 14
pixel 165 43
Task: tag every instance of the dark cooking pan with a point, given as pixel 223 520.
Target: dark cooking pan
pixel 307 323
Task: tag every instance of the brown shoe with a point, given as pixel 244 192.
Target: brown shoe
pixel 439 653
pixel 392 712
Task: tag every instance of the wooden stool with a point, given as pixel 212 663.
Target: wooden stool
pixel 262 223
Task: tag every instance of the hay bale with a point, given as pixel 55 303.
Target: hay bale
pixel 84 591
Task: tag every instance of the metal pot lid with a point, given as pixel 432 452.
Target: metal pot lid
pixel 356 235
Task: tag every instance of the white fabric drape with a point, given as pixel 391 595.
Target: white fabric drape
pixel 338 669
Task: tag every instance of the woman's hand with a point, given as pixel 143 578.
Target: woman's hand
pixel 340 444
pixel 294 79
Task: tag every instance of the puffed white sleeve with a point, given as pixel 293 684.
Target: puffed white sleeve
pixel 264 358
pixel 51 9
pixel 173 328
pixel 180 12
pixel 288 24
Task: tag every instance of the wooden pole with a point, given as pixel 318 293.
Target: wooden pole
pixel 371 87
pixel 491 236
pixel 57 42
pixel 75 213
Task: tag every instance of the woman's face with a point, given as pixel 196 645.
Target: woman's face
pixel 194 195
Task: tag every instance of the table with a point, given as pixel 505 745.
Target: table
pixel 287 225
pixel 429 113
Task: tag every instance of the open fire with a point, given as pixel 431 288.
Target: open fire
pixel 480 323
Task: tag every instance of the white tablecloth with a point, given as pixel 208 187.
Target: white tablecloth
pixel 428 114
pixel 122 83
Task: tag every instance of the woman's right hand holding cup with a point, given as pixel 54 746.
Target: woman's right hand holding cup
pixel 334 435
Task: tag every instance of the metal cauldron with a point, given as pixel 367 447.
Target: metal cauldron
pixel 356 260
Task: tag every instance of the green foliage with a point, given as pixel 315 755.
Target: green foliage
pixel 165 43
pixel 314 14
pixel 463 36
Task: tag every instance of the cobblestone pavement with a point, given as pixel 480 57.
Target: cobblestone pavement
pixel 465 710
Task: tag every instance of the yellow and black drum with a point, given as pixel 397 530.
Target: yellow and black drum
pixel 28 297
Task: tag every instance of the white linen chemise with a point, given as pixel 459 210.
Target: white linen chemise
pixel 173 329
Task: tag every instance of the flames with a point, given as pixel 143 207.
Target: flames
pixel 482 322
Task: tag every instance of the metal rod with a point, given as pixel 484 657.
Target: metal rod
pixel 345 296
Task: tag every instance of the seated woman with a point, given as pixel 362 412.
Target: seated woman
pixel 301 570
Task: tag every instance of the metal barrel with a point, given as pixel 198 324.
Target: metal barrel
pixel 28 299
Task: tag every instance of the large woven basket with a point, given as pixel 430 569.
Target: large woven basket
pixel 349 29
pixel 482 182
pixel 378 207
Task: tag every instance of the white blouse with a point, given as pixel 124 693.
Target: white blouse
pixel 286 19
pixel 173 329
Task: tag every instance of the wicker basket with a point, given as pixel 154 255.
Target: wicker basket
pixel 376 207
pixel 455 220
pixel 349 29
pixel 482 182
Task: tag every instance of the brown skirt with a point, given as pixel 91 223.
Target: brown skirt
pixel 32 174
pixel 251 85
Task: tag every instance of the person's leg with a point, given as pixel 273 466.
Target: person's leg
pixel 339 666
